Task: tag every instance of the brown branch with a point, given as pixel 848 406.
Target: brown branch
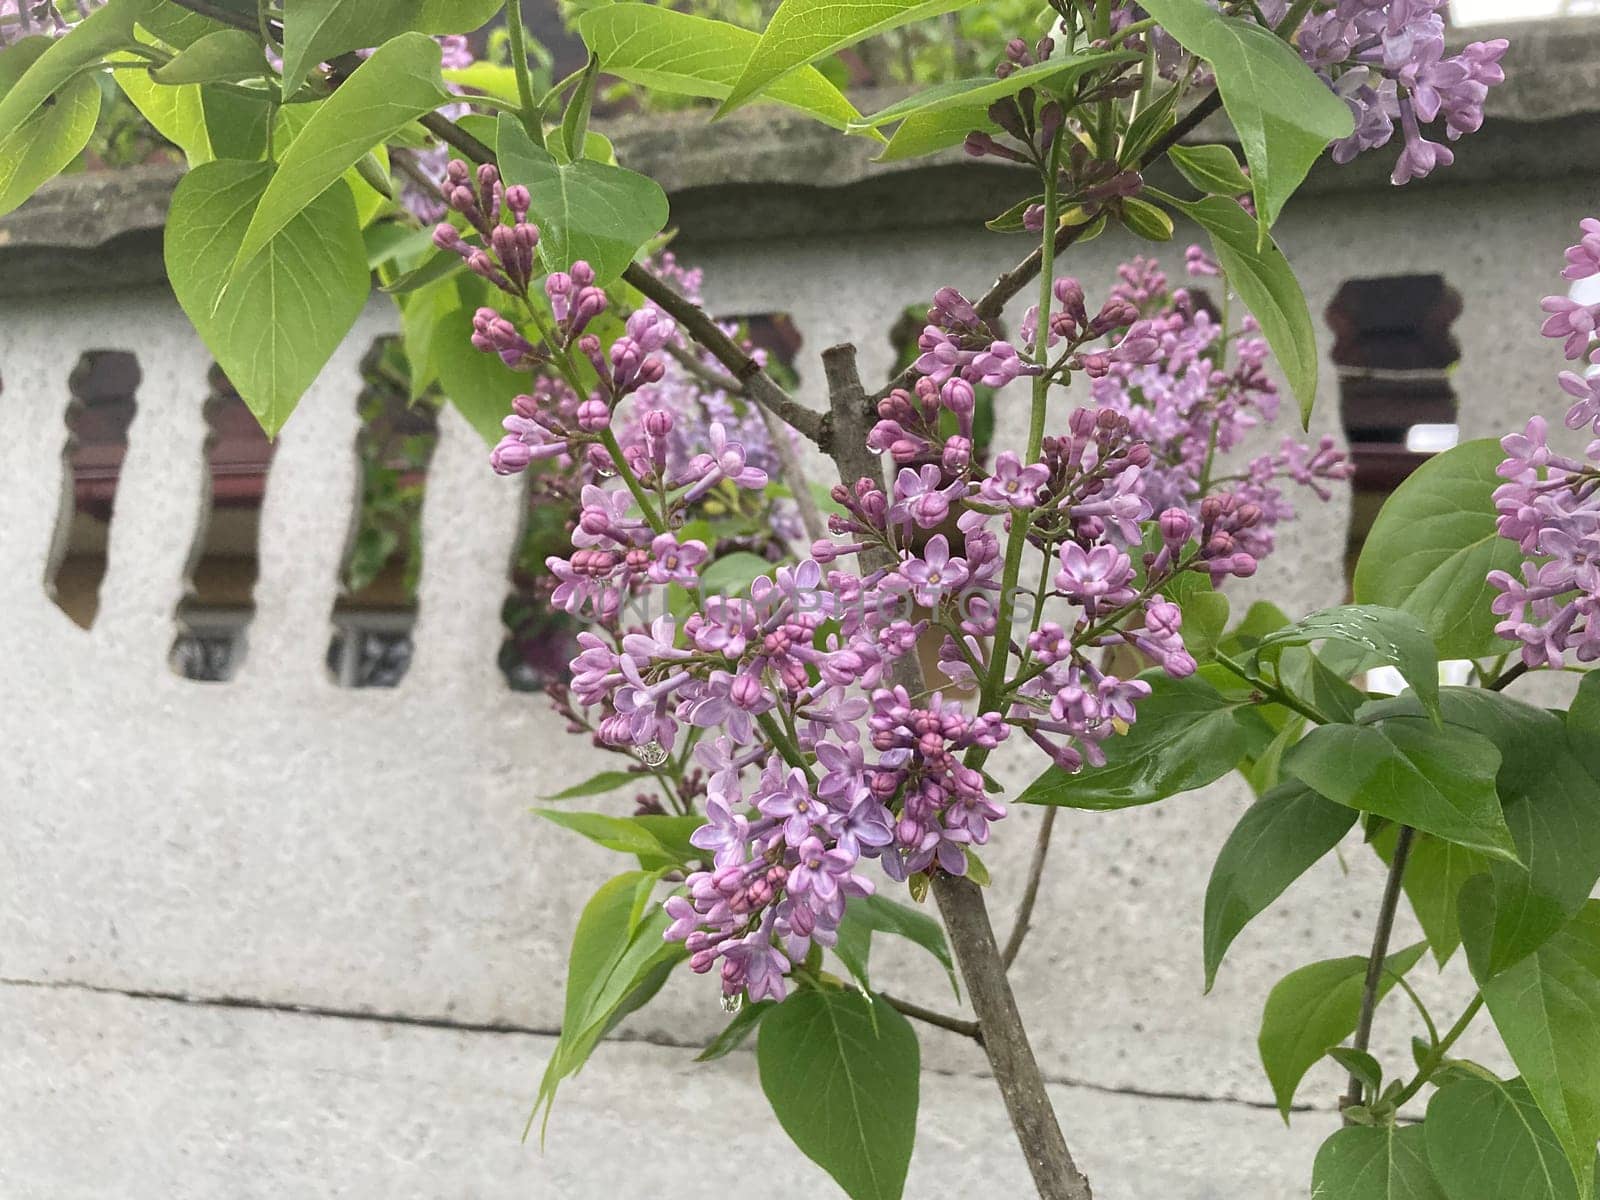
pixel 1005 1041
pixel 1030 893
pixel 929 1016
pixel 966 917
pixel 757 384
pixel 1380 951
pixel 1511 675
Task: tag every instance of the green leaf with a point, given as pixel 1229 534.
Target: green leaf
pixel 478 384
pixel 91 39
pixel 867 915
pixel 930 132
pixel 585 210
pixel 1265 282
pixel 1146 220
pixel 841 1075
pixel 1433 544
pixel 977 94
pixel 1284 114
pixel 802 31
pixel 597 785
pixel 319 30
pixel 1313 1009
pixel 1386 634
pixel 1375 1162
pixel 1212 169
pixel 1260 619
pixel 732 574
pixel 50 138
pixel 228 55
pixel 1552 806
pixel 1205 612
pixel 618 960
pixel 575 121
pixel 178 27
pixel 236 127
pixel 1441 782
pixel 1487 1140
pixel 737 1031
pixel 177 113
pixel 659 841
pixel 1360 1064
pixel 1186 736
pixel 1583 724
pixel 1547 1009
pixel 396 85
pixel 275 325
pixel 1435 873
pixel 683 54
pixel 1277 840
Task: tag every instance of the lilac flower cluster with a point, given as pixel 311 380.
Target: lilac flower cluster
pixel 1550 504
pixel 1194 394
pixel 1386 60
pixel 423 202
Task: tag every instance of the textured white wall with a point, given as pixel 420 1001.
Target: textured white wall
pixel 176 856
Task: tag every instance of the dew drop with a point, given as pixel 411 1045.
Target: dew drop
pixel 651 754
pixel 732 1004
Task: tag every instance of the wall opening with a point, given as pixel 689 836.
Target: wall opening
pixel 103 385
pixel 377 605
pixel 1394 352
pixel 214 617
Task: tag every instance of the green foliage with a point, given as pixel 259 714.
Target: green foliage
pixel 1583 724
pixel 618 961
pixel 1187 736
pixel 598 785
pixel 47 139
pixel 802 31
pixel 318 30
pixel 683 54
pixel 1258 271
pixel 478 384
pixel 1487 1140
pixel 1384 634
pixel 877 914
pixel 1279 838
pixel 659 841
pixel 973 96
pixel 1205 612
pixel 1435 872
pixel 1212 169
pixel 273 326
pixel 1547 1009
pixel 588 210
pixel 1284 114
pixel 392 88
pixel 228 55
pixel 90 40
pixel 1375 1162
pixel 841 1073
pixel 1313 1009
pixel 1433 544
pixel 930 132
pixel 1441 782
pixel 1552 807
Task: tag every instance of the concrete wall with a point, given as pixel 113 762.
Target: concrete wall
pixel 277 938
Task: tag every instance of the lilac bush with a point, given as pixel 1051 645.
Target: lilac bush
pixel 809 677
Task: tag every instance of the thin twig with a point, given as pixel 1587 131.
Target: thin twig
pixel 1508 677
pixel 758 385
pixel 929 1016
pixel 1030 893
pixel 1380 951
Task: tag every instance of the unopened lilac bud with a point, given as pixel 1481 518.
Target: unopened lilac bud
pixel 1044 48
pixel 1017 50
pixel 488 176
pixel 1138 454
pixel 658 422
pixel 1050 119
pixel 582 273
pixel 1210 510
pixel 957 456
pixel 1176 526
pixel 446 236
pixel 1003 70
pixel 1033 218
pixel 958 396
pixel 824 551
pixel 510 456
pixel 593 416
pixel 519 200
pixel 650 371
pixel 525 406
pixel 1248 515
pixel 457 171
